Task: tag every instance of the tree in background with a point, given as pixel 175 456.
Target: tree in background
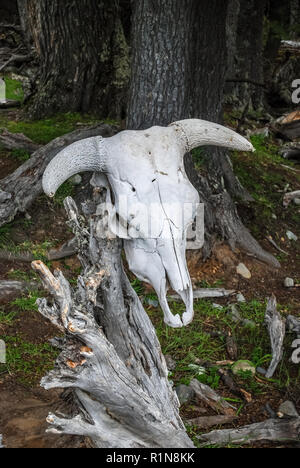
pixel 83 56
pixel 245 33
pixel 178 71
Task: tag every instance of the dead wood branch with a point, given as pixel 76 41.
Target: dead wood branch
pixel 25 184
pixel 13 141
pixel 275 430
pixel 206 422
pixel 276 328
pixel 9 289
pixel 22 257
pixel 66 250
pixel 110 355
pixel 205 294
pixel 208 396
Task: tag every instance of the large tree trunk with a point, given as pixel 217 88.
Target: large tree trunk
pixel 83 57
pixel 178 71
pixel 110 356
pixel 245 74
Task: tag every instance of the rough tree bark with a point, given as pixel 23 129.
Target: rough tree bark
pixel 178 72
pixel 83 57
pixel 110 356
pixel 245 41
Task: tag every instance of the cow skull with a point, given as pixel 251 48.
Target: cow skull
pixel 145 173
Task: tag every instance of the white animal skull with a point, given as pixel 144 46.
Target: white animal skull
pixel 146 169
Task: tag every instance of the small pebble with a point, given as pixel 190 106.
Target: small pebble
pixel 243 366
pixel 243 271
pixel 234 314
pixel 261 370
pixel 291 236
pixel 289 283
pixel 288 409
pixel 76 180
pixel 184 393
pixel 240 297
pixel 217 306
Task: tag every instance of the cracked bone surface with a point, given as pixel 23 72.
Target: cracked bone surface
pixel 154 201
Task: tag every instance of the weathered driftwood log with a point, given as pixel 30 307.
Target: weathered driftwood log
pixel 206 422
pixel 276 328
pixel 205 294
pixel 23 257
pixel 111 356
pixel 208 396
pixel 66 250
pixel 13 141
pixel 10 289
pixel 20 189
pixel 275 430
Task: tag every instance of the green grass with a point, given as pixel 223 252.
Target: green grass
pixel 27 361
pixel 21 155
pixel 7 318
pixel 66 190
pixel 26 303
pixel 198 343
pixel 5 232
pixel 45 130
pixel 14 89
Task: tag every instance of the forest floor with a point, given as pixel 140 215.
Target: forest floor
pixel 24 405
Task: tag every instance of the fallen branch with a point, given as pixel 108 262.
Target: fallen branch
pixel 24 185
pixel 66 250
pixel 15 288
pixel 290 44
pixel 205 293
pixel 13 141
pixel 272 242
pixel 206 422
pixel 17 58
pixel 275 430
pixel 233 387
pixel 276 328
pixel 208 396
pixel 22 257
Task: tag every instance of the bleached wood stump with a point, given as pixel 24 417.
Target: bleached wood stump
pixel 110 354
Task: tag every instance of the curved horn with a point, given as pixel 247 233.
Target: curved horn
pixel 82 156
pixel 197 132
